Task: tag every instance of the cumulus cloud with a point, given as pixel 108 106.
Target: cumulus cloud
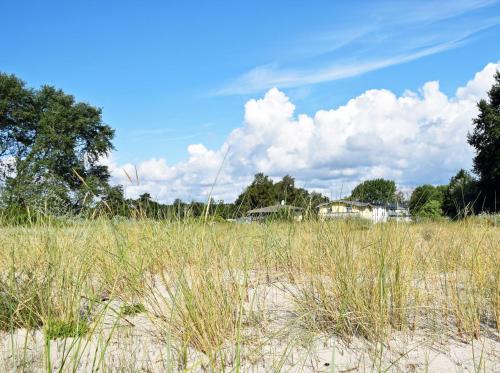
pixel 419 137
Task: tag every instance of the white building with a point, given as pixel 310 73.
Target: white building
pixel 377 213
pixel 398 212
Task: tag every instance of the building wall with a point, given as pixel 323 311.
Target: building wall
pixel 345 210
pixel 379 214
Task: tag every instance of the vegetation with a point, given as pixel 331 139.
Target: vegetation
pixel 264 192
pixel 426 201
pixel 205 287
pixel 376 190
pixel 132 309
pixel 50 148
pixel 462 196
pixel 56 328
pixel 486 140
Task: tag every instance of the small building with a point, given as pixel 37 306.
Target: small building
pixel 380 213
pixel 398 212
pixel 276 211
pixel 340 209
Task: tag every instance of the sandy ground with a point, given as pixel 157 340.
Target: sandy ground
pixel 274 343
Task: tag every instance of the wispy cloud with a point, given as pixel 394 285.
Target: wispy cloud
pixel 264 77
pixel 386 40
pixel 430 11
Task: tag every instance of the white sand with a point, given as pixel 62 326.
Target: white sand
pixel 274 341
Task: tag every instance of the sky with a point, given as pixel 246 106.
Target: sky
pixel 203 95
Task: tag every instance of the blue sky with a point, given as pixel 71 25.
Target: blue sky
pixel 172 74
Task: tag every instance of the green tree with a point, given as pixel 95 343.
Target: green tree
pixel 376 190
pixel 485 138
pixel 431 209
pixel 427 201
pixel 461 196
pixel 259 193
pixel 50 148
pixel 114 202
pixel 285 189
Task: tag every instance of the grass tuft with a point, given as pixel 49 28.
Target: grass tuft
pixel 132 309
pixel 56 328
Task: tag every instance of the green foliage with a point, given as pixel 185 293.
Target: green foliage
pixel 264 192
pixel 430 209
pixel 461 196
pixel 485 138
pixel 132 309
pixel 259 193
pixel 114 202
pixel 56 328
pixel 427 200
pixel 50 147
pixel 376 190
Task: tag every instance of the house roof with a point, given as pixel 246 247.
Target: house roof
pixel 399 206
pixel 347 202
pixel 390 206
pixel 272 209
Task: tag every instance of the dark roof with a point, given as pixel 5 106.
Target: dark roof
pixel 272 209
pixel 394 206
pixel 347 202
pixel 390 206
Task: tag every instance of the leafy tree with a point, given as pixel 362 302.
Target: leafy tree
pixel 315 199
pixel 376 190
pixel 145 198
pixel 427 201
pixel 259 193
pixel 50 147
pixel 114 202
pixel 461 196
pixel 263 192
pixel 431 209
pixel 285 189
pixel 485 138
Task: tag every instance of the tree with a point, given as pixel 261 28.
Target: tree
pixel 376 190
pixel 259 193
pixel 50 148
pixel 427 201
pixel 461 196
pixel 485 138
pixel 285 189
pixel 114 202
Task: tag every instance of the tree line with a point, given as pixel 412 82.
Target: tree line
pixel 50 146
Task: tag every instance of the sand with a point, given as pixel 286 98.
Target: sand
pixel 273 340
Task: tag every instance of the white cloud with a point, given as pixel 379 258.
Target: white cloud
pixel 419 137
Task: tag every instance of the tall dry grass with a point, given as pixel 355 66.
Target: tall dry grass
pixel 194 279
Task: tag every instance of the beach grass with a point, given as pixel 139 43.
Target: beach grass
pixel 195 284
